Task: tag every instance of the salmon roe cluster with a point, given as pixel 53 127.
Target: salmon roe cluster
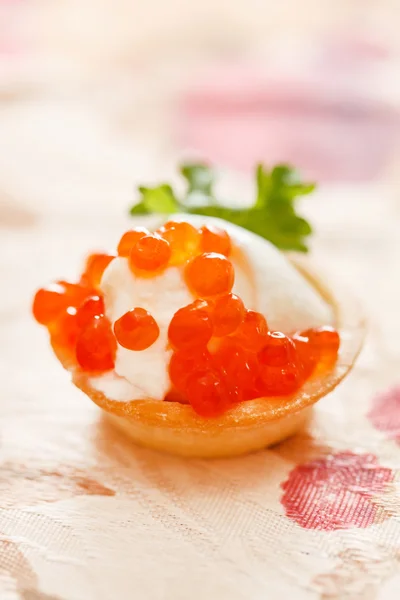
pixel 221 357
pixel 74 314
pixel 222 352
pixel 173 244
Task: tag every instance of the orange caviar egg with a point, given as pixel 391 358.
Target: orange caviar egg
pixel 214 239
pixel 50 302
pixel 184 363
pixel 280 368
pixel 252 332
pixel 208 393
pixel 92 307
pixel 227 314
pixel 279 350
pixel 183 238
pixel 136 329
pixel 95 266
pixel 191 326
pixel 307 353
pixel 76 292
pixel 326 338
pixel 150 253
pixel 241 367
pixel 326 342
pixel 278 381
pixel 96 345
pixel 64 331
pixel 210 275
pixel 129 239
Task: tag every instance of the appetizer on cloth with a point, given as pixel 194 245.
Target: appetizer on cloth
pixel 199 336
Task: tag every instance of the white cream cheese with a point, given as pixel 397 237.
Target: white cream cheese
pixel 162 296
pixel 264 279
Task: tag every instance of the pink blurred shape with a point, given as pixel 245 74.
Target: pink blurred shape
pixel 11 15
pixel 327 119
pixel 385 413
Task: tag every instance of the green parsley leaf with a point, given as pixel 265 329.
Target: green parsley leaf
pixel 273 215
pixel 159 199
pixel 200 177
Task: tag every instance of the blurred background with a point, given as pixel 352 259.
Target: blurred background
pixel 97 96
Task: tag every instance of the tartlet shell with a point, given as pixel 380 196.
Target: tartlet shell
pixel 175 428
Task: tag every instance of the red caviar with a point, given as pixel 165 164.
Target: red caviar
pixel 241 367
pixel 280 366
pixel 308 354
pixel 92 307
pixel 280 381
pixel 150 253
pixel 279 350
pixel 183 238
pixel 96 345
pixel 95 266
pixel 136 329
pixel 322 347
pixel 208 393
pixel 129 239
pixel 214 239
pixel 252 333
pixel 191 326
pixel 76 292
pixel 65 330
pixel 227 313
pixel 210 275
pixel 184 363
pixel 326 341
pixel 50 302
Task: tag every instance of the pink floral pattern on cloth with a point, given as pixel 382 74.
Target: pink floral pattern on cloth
pixel 385 413
pixel 336 492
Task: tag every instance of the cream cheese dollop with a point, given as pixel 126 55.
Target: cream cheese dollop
pixel 264 278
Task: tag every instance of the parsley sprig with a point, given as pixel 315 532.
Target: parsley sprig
pixel 273 215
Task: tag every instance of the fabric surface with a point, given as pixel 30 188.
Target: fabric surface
pixel 86 515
